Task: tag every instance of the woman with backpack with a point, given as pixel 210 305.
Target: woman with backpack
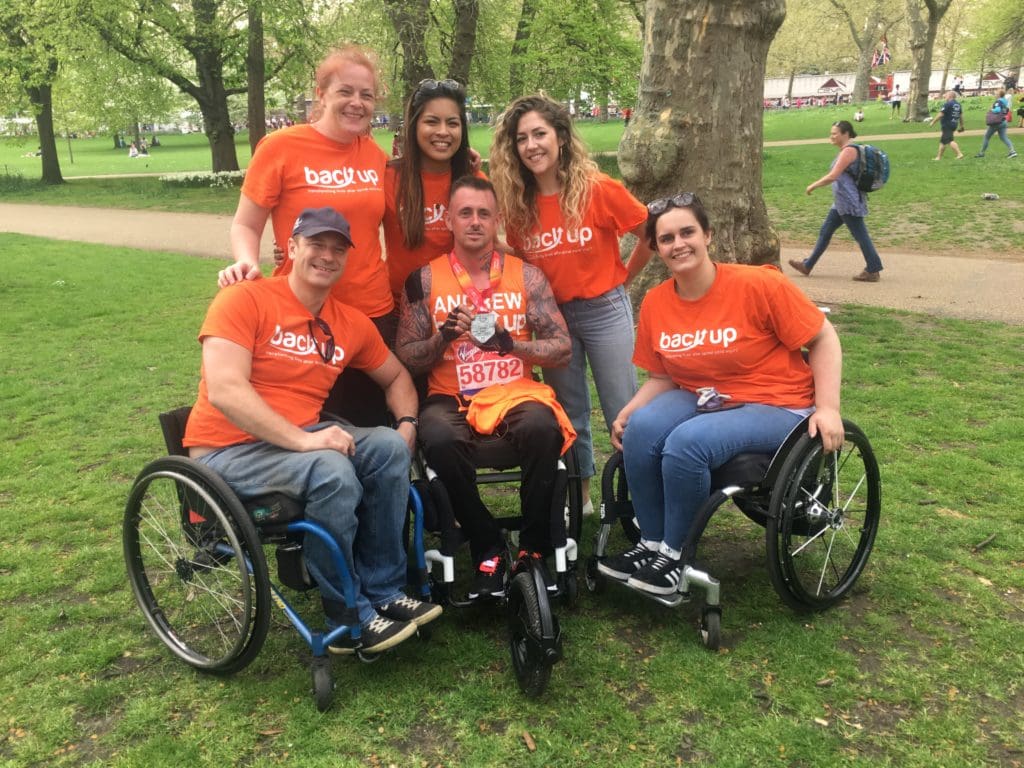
pixel 996 121
pixel 849 206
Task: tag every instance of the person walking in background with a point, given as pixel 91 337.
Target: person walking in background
pixel 995 120
pixel 952 119
pixel 849 206
pixel 566 217
pixel 627 114
pixel 895 100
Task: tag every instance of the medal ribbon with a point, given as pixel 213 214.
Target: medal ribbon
pixel 474 294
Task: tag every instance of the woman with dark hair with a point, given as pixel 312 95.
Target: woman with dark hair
pixel 565 217
pixel 331 161
pixel 849 206
pixel 434 152
pixel 723 346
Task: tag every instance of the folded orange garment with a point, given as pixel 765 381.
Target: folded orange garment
pixel 489 406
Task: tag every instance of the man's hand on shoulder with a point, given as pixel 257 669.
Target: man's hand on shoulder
pixel 332 438
pixel 238 272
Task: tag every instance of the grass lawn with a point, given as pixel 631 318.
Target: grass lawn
pixel 921 667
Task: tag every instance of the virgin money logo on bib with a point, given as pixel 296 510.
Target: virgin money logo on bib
pixel 340 178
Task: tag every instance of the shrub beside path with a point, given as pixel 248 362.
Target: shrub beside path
pixel 945 285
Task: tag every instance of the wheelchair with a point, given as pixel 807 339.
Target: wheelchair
pixel 196 564
pixel 820 512
pixel 534 632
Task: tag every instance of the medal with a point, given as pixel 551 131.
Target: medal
pixel 483 326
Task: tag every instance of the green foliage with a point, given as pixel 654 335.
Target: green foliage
pixel 920 667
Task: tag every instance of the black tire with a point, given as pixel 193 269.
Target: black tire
pixel 711 628
pixel 824 515
pixel 323 683
pixel 596 582
pixel 532 673
pixel 570 587
pixel 615 496
pixel 573 496
pixel 196 565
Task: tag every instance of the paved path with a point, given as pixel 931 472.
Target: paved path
pixel 949 286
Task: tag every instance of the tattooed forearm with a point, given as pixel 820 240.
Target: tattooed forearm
pixel 551 346
pixel 418 344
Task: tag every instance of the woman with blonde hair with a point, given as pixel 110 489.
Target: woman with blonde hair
pixel 330 161
pixel 566 217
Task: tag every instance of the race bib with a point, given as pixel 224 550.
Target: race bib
pixel 477 369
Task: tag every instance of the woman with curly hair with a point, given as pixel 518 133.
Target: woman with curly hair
pixel 434 152
pixel 566 217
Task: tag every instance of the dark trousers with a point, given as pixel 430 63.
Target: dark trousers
pixel 355 396
pixel 450 447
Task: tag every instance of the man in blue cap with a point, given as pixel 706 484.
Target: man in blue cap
pixel 272 349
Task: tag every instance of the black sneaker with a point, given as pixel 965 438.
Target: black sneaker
pixel 379 635
pixel 659 577
pixel 621 567
pixel 407 609
pixel 490 578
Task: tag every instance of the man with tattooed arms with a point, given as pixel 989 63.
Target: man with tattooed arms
pixel 475 321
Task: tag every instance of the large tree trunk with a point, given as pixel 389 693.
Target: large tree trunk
pixel 697 125
pixel 516 78
pixel 866 46
pixel 924 17
pixel 255 68
pixel 212 95
pixel 42 102
pixel 410 19
pixel 467 12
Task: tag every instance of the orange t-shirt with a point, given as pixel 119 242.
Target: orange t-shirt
pixel 298 167
pixel 465 368
pixel 742 337
pixel 265 317
pixel 584 262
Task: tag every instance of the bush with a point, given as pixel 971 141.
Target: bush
pixel 196 179
pixel 12 181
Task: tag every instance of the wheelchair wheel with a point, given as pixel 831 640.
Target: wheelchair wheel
pixel 824 514
pixel 323 684
pixel 711 627
pixel 531 670
pixel 196 565
pixel 615 496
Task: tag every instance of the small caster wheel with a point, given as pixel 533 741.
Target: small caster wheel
pixel 323 685
pixel 596 583
pixel 711 627
pixel 425 633
pixel 368 658
pixel 570 588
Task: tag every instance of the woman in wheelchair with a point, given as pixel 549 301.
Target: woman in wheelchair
pixel 722 344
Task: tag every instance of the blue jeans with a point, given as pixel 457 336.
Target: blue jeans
pixel 1000 128
pixel 859 230
pixel 670 450
pixel 602 332
pixel 361 501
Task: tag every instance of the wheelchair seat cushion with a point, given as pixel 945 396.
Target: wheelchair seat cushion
pixel 273 508
pixel 743 469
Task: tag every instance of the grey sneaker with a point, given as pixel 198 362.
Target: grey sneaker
pixel 408 609
pixel 621 567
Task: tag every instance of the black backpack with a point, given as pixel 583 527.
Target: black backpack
pixel 873 169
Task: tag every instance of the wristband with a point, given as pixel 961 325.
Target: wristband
pixel 408 420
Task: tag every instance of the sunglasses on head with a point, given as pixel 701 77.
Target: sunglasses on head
pixel 324 348
pixel 662 204
pixel 430 87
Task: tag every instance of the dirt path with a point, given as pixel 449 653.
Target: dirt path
pixel 949 286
